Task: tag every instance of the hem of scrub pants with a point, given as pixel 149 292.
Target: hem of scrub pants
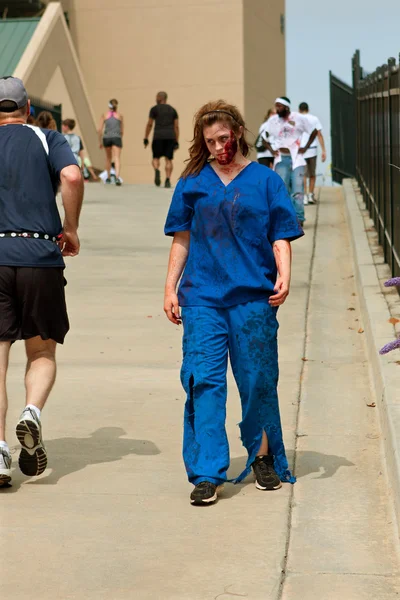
pixel 197 480
pixel 283 471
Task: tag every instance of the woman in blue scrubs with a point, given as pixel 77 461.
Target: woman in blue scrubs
pixel 232 222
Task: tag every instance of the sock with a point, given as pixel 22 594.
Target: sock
pixel 4 445
pixel 35 409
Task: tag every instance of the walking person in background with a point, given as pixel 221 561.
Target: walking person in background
pixel 75 143
pixel 264 156
pixel 34 164
pixel 232 222
pixel 165 138
pixel 45 121
pixel 311 154
pixel 285 129
pixel 111 131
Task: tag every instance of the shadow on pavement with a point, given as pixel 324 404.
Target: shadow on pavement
pixel 71 454
pixel 106 445
pixel 308 462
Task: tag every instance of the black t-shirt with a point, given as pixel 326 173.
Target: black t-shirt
pixel 31 160
pixel 164 116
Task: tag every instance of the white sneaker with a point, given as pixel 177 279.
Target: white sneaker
pixel 305 200
pixel 33 457
pixel 5 467
pixel 311 199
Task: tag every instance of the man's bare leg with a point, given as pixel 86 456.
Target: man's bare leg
pixel 168 171
pixel 39 379
pixel 169 165
pixel 40 370
pixel 156 167
pixel 4 354
pixel 312 184
pixel 5 456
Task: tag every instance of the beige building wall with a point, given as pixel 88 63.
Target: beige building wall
pixel 50 70
pixel 264 58
pixel 195 50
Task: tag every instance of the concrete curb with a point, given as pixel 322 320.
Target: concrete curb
pixel 375 314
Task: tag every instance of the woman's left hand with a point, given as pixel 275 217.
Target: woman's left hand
pixel 281 290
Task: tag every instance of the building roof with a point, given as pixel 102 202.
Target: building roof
pixel 15 35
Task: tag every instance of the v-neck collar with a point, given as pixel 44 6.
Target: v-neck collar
pixel 234 179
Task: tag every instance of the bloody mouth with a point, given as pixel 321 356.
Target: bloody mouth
pixel 230 149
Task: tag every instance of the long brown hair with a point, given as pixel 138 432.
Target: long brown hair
pixel 45 120
pixel 206 116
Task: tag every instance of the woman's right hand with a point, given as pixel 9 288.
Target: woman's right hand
pixel 171 307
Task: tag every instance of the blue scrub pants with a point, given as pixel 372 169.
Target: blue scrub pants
pixel 294 181
pixel 248 333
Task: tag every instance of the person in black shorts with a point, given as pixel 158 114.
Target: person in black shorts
pixel 34 164
pixel 110 132
pixel 165 138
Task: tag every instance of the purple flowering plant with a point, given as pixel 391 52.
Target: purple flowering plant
pixel 395 281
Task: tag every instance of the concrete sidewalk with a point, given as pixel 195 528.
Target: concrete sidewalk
pixel 110 519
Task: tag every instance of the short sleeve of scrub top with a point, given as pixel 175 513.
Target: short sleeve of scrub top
pixel 283 223
pixel 180 213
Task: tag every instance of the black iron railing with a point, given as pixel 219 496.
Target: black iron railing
pixel 365 128
pixel 343 129
pixel 377 108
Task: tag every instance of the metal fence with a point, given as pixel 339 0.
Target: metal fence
pixel 377 105
pixel 374 141
pixel 343 129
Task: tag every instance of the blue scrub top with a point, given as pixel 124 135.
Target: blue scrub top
pixel 232 229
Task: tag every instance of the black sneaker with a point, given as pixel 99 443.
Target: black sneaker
pixel 118 181
pixel 266 478
pixel 167 183
pixel 108 180
pixel 205 493
pixel 157 177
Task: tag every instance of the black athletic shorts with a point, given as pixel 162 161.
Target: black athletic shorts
pixel 163 148
pixel 32 303
pixel 108 142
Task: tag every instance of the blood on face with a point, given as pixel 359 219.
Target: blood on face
pixel 230 150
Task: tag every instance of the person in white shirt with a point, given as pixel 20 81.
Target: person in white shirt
pixel 264 156
pixel 284 132
pixel 312 153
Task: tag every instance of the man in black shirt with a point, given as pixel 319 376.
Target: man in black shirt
pixel 33 241
pixel 166 136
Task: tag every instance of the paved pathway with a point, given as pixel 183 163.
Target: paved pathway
pixel 110 519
